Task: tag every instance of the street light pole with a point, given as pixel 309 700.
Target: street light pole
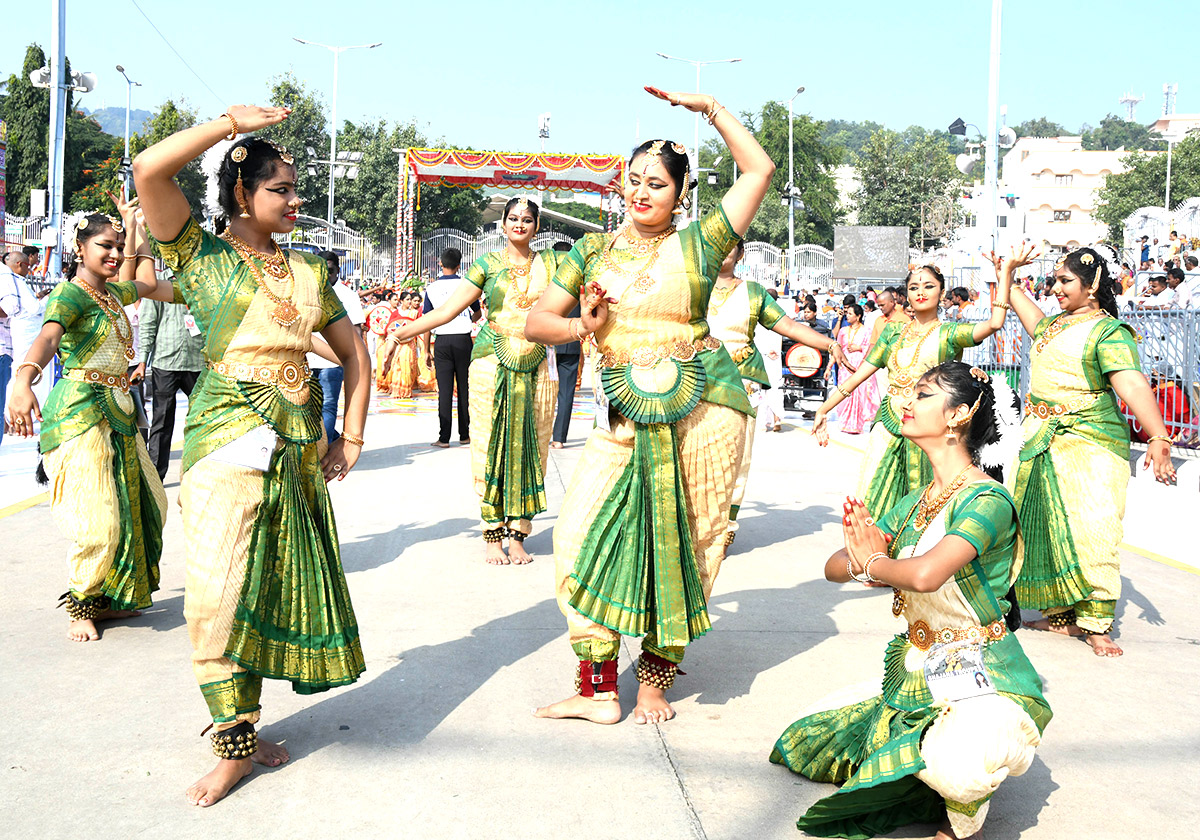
pixel 696 133
pixel 791 182
pixel 1167 200
pixel 125 161
pixel 992 150
pixel 337 51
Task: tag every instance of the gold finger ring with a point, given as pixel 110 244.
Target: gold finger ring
pixel 869 521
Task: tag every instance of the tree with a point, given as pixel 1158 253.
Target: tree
pixel 899 174
pixel 305 128
pixel 86 152
pixel 576 209
pixel 368 202
pixel 1115 133
pixel 850 135
pixel 170 118
pixel 26 110
pixel 814 162
pixel 1144 184
pixel 1040 127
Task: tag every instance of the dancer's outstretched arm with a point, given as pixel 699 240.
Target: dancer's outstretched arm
pixel 1028 311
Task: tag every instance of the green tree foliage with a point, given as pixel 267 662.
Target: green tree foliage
pixel 1115 133
pixel 849 135
pixel 814 162
pixel 1144 184
pixel 26 110
pixel 368 202
pixel 169 118
pixel 577 209
pixel 1040 127
pixel 900 172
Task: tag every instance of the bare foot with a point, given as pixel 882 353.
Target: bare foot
pixel 585 708
pixel 517 553
pixel 270 754
pixel 494 554
pixel 1044 624
pixel 1103 645
pixel 82 630
pixel 652 705
pixel 212 787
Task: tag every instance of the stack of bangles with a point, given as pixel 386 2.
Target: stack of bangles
pixel 573 329
pixel 713 109
pixel 866 578
pixel 842 391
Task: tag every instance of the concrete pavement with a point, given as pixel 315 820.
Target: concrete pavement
pixel 437 740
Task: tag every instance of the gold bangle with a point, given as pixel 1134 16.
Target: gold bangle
pixel 1163 438
pixel 713 110
pixel 349 438
pixel 842 391
pixel 35 379
pixel 998 305
pixel 233 130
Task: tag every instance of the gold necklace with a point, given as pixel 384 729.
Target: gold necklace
pixel 115 313
pixel 275 264
pixel 905 377
pixel 638 247
pixel 1061 323
pixel 925 512
pixel 720 294
pixel 523 301
pixel 285 312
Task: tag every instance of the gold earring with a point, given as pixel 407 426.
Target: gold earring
pixel 239 192
pixel 678 209
pixel 1092 293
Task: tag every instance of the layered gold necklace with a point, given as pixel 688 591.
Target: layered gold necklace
pixel 1061 323
pixel 112 309
pixel 925 511
pixel 905 377
pixel 285 312
pixel 638 248
pixel 720 294
pixel 522 301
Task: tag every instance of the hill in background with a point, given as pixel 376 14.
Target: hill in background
pixel 112 120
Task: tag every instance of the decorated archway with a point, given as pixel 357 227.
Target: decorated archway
pixel 601 174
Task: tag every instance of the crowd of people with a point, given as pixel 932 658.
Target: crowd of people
pixel 963 509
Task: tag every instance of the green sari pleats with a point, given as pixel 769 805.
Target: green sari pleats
pixel 1050 575
pixel 637 569
pixel 134 573
pixel 294 620
pixel 514 484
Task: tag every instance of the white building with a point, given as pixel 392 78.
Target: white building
pixel 1047 195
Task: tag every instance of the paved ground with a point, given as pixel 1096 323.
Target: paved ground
pixel 437 740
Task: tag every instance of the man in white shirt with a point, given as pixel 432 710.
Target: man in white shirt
pixel 1158 294
pixel 1181 292
pixel 10 302
pixel 451 349
pixel 328 373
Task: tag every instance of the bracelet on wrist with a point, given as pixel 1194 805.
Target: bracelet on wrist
pixel 850 570
pixel 354 439
pixel 233 127
pixel 37 377
pixel 842 391
pixel 878 555
pixel 999 305
pixel 1163 438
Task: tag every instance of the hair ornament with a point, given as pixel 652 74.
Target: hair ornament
pixel 1003 453
pixel 1060 262
pixel 979 374
pixel 284 154
pixel 1086 259
pixel 83 223
pixel 679 148
pixel 522 205
pixel 652 155
pixel 238 155
pixel 116 225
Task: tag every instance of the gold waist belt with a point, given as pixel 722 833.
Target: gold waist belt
pixel 98 377
pixel 682 350
pixel 1045 410
pixel 289 376
pixel 742 355
pixel 923 637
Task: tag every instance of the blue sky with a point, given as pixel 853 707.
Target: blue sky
pixel 479 73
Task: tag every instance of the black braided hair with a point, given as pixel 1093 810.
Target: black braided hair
pixel 964 389
pixel 1094 272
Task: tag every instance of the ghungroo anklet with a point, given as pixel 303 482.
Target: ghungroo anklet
pixel 593 677
pixel 729 538
pixel 1088 632
pixel 83 609
pixel 514 534
pixel 656 671
pixel 493 535
pixel 1062 619
pixel 235 743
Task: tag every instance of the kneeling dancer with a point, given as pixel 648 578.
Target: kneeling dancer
pixel 961 707
pixel 641 534
pixel 265 593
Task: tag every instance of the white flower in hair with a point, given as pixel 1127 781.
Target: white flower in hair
pixel 1003 453
pixel 210 165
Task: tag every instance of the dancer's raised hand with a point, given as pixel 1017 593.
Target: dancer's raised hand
pixel 255 117
pixel 695 102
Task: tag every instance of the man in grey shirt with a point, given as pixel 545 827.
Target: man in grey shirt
pixel 171 345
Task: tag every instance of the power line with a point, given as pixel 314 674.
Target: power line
pixel 177 53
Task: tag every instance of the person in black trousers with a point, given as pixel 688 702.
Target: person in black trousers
pixel 568 357
pixel 451 350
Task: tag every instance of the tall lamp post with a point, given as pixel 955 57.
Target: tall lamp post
pixel 696 134
pixel 791 188
pixel 126 163
pixel 337 51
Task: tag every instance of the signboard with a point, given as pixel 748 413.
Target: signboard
pixel 876 253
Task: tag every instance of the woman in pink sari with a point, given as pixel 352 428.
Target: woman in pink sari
pixel 858 410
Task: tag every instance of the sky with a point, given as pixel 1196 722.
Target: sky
pixel 479 73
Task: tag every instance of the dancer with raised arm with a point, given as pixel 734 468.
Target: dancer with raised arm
pixel 960 707
pixel 1073 473
pixel 735 310
pixel 265 594
pixel 892 466
pixel 106 495
pixel 641 535
pixel 512 395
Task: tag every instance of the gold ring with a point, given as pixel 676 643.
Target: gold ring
pixel 869 521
